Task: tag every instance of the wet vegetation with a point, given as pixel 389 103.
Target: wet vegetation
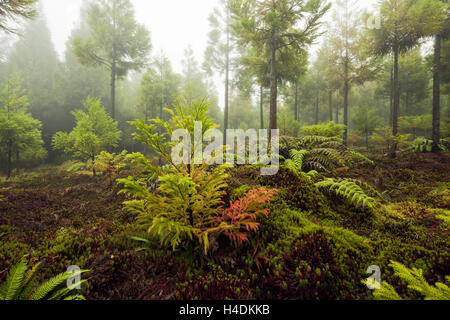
pixel 88 180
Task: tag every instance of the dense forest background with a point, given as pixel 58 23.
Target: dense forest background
pixel 342 82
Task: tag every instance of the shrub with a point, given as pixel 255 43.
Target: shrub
pixel 330 129
pixel 188 202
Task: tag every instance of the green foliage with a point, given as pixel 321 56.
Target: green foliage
pixel 416 282
pixel 296 161
pixel 116 40
pixel 11 10
pixel 110 164
pixel 188 200
pixel 422 144
pixel 444 215
pixel 415 124
pixel 20 133
pixel 94 132
pixel 329 130
pixel 366 121
pixel 405 23
pixel 19 285
pixel 384 139
pixel 318 153
pixel 349 191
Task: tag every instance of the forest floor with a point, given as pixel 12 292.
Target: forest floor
pixel 310 247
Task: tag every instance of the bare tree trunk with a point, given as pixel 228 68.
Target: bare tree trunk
pixel 296 102
pixel 316 117
pixel 94 173
pixel 437 95
pixel 346 90
pixel 330 97
pixel 273 89
pixel 261 106
pixel 227 84
pixel 396 103
pixel 9 159
pixel 337 113
pixel 391 99
pixel 113 90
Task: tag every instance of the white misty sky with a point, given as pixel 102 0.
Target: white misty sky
pixel 173 24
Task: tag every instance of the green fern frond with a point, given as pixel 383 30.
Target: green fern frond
pixel 386 292
pixel 11 289
pixel 50 285
pixel 416 281
pixel 349 191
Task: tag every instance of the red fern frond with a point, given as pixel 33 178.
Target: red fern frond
pixel 243 213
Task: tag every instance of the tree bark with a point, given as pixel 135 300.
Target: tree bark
pixel 391 98
pixel 94 173
pixel 261 106
pixel 9 159
pixel 367 140
pixel 113 90
pixel 437 94
pixel 346 89
pixel 316 117
pixel 227 88
pixel 330 97
pixel 337 113
pixel 396 103
pixel 296 102
pixel 273 89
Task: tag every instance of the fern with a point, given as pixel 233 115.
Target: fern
pixel 296 161
pixel 19 285
pixel 11 289
pixel 349 191
pixel 241 216
pixel 416 281
pixel 422 144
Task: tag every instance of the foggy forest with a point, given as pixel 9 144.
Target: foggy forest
pixel 300 153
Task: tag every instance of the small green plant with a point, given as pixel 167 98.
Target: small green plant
pixel 423 145
pixel 416 282
pixel 95 131
pixel 188 201
pixel 350 191
pixel 19 285
pixel 330 129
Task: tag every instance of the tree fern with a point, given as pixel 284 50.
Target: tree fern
pixel 416 281
pixel 19 285
pixel 349 191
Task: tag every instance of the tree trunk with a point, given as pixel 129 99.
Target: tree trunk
pixel 396 103
pixel 391 99
pixel 367 140
pixel 273 89
pixel 17 161
pixel 113 90
pixel 437 94
pixel 330 97
pixel 337 113
pixel 261 107
pixel 94 173
pixel 316 117
pixel 346 89
pixel 9 159
pixel 227 88
pixel 296 102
